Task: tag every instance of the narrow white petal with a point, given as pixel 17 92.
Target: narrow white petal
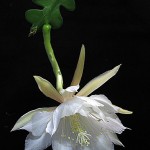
pixel 97 82
pixel 39 122
pixel 113 125
pixel 90 101
pixel 72 89
pixel 27 127
pixel 26 118
pixel 122 111
pixel 100 114
pixel 108 106
pixel 113 137
pixel 101 98
pixel 47 89
pixel 69 92
pixel 104 143
pixel 37 143
pixel 79 69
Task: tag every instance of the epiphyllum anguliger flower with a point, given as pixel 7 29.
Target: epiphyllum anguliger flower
pixel 80 122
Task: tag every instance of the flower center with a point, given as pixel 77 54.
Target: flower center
pixel 78 129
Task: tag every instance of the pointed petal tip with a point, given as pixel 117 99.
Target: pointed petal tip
pixel 123 111
pixel 79 68
pixel 36 77
pixel 83 47
pixel 48 89
pixel 12 129
pixel 117 68
pixel 15 127
pixel 98 81
pixel 83 50
pixel 120 144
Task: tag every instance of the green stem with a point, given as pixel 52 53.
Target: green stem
pixel 51 56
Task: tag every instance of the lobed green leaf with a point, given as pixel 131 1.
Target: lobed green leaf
pixel 50 14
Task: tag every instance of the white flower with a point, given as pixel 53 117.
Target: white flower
pixel 80 122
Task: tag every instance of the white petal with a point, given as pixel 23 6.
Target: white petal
pixel 26 118
pixel 90 101
pixel 111 115
pixel 97 82
pixel 100 114
pixel 122 111
pixel 39 122
pixel 79 69
pixel 61 140
pixel 61 146
pixel 72 88
pixel 47 89
pixel 69 92
pixel 104 143
pixel 108 106
pixel 27 127
pixel 37 143
pixel 113 137
pixel 113 125
pixel 101 98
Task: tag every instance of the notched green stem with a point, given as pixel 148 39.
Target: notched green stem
pixel 51 56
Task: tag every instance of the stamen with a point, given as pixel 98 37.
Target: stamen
pixel 78 129
pixel 75 124
pixel 83 138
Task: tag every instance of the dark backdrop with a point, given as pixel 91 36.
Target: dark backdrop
pixel 113 31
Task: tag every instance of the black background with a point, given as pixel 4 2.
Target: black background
pixel 113 32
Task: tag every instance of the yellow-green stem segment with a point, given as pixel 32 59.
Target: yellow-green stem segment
pixel 51 56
